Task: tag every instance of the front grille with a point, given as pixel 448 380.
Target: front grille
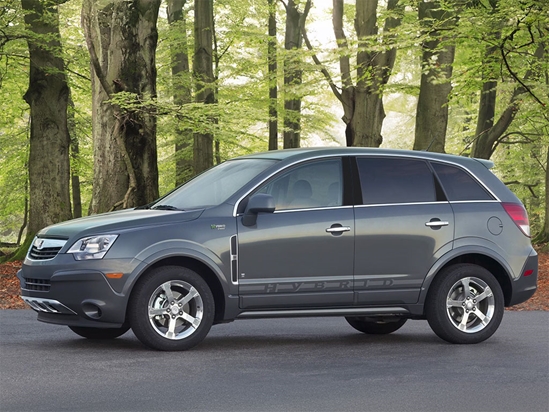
pixel 45 248
pixel 44 253
pixel 41 285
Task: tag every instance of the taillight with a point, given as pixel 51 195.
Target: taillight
pixel 518 214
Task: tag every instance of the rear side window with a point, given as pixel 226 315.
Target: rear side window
pixel 459 185
pixel 388 181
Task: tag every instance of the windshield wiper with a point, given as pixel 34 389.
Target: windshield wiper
pixel 147 206
pixel 164 207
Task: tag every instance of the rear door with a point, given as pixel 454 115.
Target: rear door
pixel 403 225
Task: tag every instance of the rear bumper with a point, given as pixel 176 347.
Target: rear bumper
pixel 525 286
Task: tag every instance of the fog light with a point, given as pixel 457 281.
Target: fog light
pixel 91 310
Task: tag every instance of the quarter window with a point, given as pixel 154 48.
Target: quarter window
pixel 390 180
pixel 459 185
pixel 313 185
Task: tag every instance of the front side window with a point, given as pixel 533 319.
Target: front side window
pixel 315 184
pixel 390 181
pixel 216 185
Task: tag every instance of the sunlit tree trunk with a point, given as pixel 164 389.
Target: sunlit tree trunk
pixel 47 96
pixel 75 162
pixel 437 60
pixel 182 89
pixel 363 102
pixel 272 77
pixel 203 157
pixel 121 38
pixel 373 73
pixel 293 40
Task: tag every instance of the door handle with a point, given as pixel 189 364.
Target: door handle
pixel 338 229
pixel 436 223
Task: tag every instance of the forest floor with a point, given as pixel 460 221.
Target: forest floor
pixel 9 286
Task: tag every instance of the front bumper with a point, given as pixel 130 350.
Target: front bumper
pixel 526 285
pixel 65 293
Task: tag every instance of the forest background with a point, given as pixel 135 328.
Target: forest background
pixel 107 104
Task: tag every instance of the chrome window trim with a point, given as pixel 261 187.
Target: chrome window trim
pixel 306 209
pixel 370 155
pixel 427 203
pixel 474 201
pixel 445 202
pixel 473 176
pixel 237 204
pixel 433 171
pixel 276 212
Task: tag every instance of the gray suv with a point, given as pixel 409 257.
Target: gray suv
pixel 375 236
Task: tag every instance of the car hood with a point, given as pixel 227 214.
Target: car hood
pixel 117 221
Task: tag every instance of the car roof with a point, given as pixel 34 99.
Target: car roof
pixel 313 152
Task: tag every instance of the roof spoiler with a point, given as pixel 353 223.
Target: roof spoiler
pixel 487 163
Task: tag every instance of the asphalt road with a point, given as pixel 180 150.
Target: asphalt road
pixel 317 364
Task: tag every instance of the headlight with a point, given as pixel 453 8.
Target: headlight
pixel 93 247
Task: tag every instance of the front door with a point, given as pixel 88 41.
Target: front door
pixel 302 254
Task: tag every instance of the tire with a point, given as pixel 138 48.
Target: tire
pixel 375 327
pixel 99 333
pixel 171 309
pixel 465 304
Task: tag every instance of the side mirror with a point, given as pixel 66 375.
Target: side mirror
pixel 260 202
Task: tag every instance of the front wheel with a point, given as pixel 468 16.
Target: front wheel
pixel 375 327
pixel 99 333
pixel 465 304
pixel 172 308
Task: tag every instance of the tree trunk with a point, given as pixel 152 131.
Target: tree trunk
pixel 75 160
pixel 182 90
pixel 486 141
pixel 293 40
pixel 488 94
pixel 47 96
pixel 203 75
pixel 122 38
pixel 435 88
pixel 272 77
pixel 363 103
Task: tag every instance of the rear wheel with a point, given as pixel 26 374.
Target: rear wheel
pixel 172 308
pixel 99 333
pixel 375 327
pixel 465 304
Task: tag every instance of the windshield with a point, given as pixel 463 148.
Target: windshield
pixel 216 185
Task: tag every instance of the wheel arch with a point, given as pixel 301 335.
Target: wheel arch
pixel 206 273
pixel 491 263
pixel 201 268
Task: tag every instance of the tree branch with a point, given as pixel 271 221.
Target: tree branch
pixel 118 135
pixel 341 39
pixel 530 186
pixel 86 24
pixel 514 75
pixel 323 69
